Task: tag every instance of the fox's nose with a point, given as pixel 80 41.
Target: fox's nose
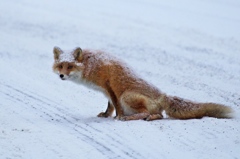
pixel 61 75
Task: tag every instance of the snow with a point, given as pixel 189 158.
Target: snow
pixel 186 48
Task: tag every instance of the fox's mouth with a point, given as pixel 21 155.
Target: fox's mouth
pixel 64 78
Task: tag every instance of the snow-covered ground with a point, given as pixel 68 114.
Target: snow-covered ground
pixel 187 48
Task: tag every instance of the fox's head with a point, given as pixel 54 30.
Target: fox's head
pixel 67 64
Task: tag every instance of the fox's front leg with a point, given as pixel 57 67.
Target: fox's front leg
pixel 119 112
pixel 108 111
pixel 114 101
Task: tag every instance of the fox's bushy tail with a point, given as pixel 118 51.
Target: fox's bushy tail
pixel 183 109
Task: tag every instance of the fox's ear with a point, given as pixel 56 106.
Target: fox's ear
pixel 77 53
pixel 56 51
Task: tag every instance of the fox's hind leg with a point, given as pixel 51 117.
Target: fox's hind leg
pixel 134 106
pixel 108 112
pixel 137 116
pixel 144 116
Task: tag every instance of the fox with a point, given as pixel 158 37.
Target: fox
pixel 130 96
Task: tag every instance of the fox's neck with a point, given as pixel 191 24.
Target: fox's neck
pixel 78 78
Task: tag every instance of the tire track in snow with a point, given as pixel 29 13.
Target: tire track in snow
pixel 108 145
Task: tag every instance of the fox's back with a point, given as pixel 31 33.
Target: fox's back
pixel 102 68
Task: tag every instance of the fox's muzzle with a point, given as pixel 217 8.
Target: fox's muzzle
pixel 61 76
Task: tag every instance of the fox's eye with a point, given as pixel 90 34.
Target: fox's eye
pixel 70 67
pixel 60 66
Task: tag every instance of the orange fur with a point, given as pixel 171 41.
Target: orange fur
pixel 131 96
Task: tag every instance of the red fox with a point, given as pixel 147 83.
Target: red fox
pixel 132 97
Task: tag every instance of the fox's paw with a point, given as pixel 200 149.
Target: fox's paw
pixel 118 117
pixel 103 115
pixel 124 118
pixel 154 117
